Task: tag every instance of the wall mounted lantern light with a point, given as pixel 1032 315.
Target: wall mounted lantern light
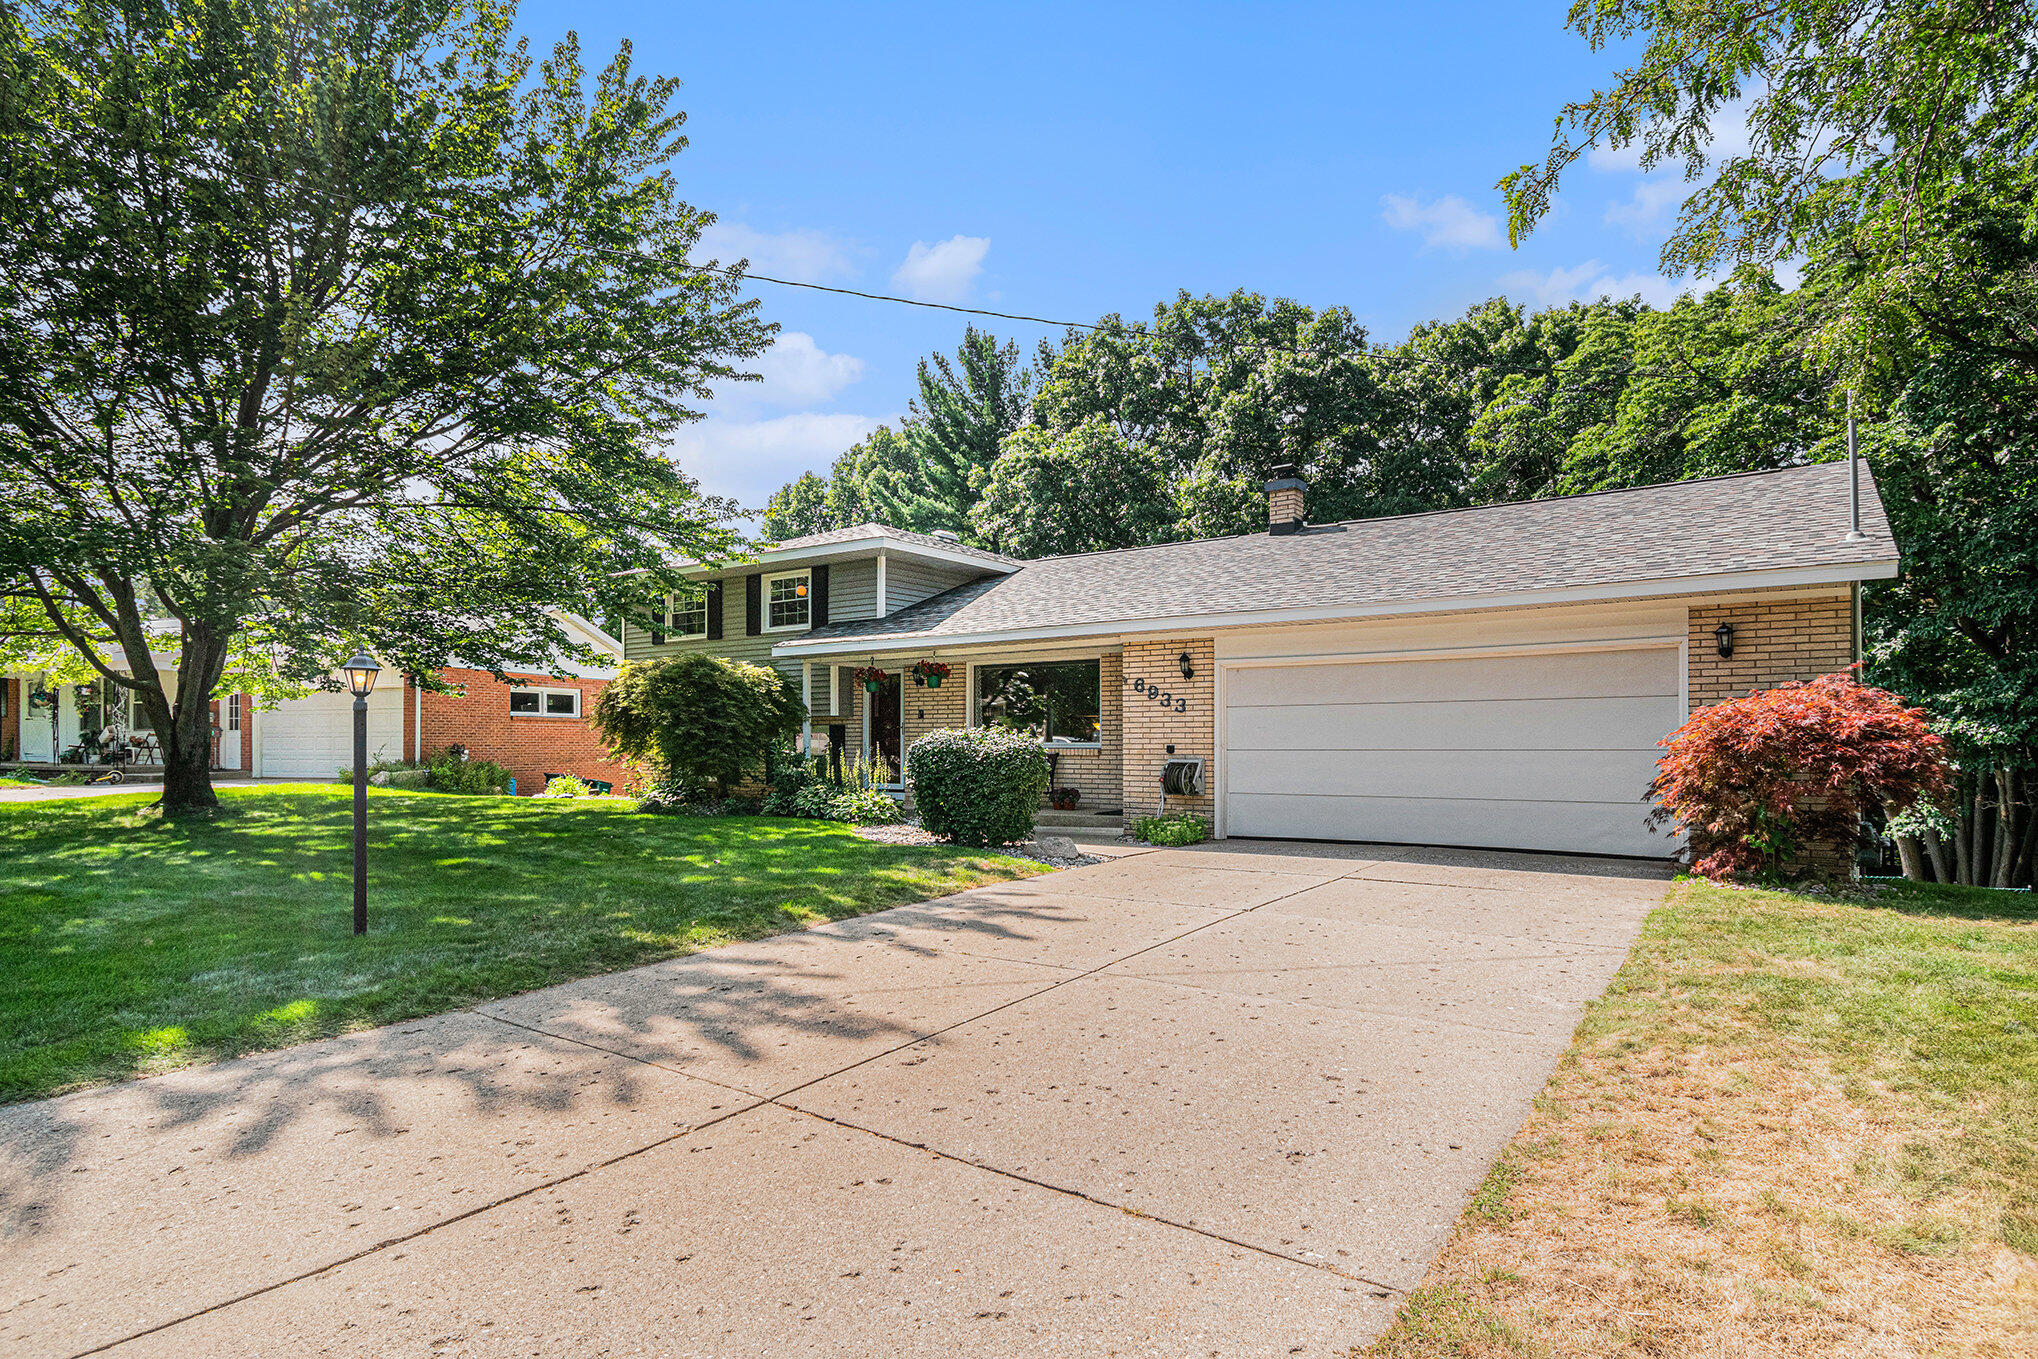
pixel 1188 670
pixel 1724 635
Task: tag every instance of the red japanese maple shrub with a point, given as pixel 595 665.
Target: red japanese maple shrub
pixel 1757 780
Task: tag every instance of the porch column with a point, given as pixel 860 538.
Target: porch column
pixel 807 701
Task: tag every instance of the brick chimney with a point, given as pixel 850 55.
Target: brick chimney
pixel 1284 500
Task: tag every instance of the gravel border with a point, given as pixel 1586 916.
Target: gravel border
pixel 912 833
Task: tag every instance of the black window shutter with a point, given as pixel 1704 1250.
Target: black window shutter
pixel 715 612
pixel 658 637
pixel 818 596
pixel 753 605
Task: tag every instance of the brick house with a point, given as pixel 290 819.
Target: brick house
pixel 534 724
pixel 1497 676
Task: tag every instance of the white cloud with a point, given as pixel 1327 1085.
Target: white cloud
pixel 1645 210
pixel 803 256
pixel 1730 137
pixel 749 459
pixel 798 372
pixel 944 272
pixel 1449 222
pixel 1590 281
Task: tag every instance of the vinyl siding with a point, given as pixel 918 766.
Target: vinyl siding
pixel 733 644
pixel 852 593
pixel 908 581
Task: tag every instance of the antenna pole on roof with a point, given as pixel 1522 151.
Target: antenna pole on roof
pixel 1854 533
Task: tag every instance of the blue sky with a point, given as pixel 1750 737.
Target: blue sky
pixel 1073 160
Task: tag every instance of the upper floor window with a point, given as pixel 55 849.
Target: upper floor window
pixel 545 702
pixel 787 603
pixel 688 617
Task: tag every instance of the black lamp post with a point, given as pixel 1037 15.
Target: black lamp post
pixel 361 673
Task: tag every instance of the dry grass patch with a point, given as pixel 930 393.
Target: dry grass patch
pixel 1794 1126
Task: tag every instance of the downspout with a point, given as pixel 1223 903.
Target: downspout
pixel 417 709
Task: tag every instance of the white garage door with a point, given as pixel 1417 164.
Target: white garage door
pixel 1548 751
pixel 313 738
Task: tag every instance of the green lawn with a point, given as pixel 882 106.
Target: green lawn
pixel 1795 1123
pixel 130 944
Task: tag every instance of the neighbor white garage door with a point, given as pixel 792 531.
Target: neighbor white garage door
pixel 313 738
pixel 1544 751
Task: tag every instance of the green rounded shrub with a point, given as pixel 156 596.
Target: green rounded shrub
pixel 977 787
pixel 1175 828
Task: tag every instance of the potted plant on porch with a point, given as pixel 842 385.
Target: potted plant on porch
pixel 930 673
pixel 872 677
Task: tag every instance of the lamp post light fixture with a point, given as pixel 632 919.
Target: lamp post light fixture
pixel 361 673
pixel 1724 636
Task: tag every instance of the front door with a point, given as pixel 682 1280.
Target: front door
pixel 39 724
pixel 884 728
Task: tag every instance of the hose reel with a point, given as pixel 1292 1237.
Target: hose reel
pixel 1183 778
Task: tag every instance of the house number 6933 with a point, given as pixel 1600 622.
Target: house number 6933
pixel 1156 694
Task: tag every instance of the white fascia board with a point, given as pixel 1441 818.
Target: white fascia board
pixel 1519 599
pixel 776 558
pixel 591 632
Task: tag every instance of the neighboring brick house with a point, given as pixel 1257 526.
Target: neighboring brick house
pixel 534 725
pixel 1497 676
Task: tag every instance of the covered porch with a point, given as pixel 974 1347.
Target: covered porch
pixel 50 727
pixel 875 703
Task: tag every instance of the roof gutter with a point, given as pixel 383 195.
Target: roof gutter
pixel 1779 578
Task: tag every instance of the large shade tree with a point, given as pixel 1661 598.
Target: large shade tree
pixel 1892 142
pixel 331 323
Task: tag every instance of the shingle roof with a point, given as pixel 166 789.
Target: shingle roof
pixel 858 532
pixel 1757 521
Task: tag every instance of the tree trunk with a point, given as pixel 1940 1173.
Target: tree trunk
pixel 1907 849
pixel 1935 849
pixel 2026 868
pixel 1963 836
pixel 187 739
pixel 187 763
pixel 2006 828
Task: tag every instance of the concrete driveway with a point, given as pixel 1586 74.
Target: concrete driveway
pixel 1215 1101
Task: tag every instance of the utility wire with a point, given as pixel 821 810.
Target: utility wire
pixel 1121 330
pixel 1127 331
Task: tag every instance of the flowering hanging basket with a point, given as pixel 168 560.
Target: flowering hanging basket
pixel 930 673
pixel 873 678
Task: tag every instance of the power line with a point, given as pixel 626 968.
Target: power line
pixel 916 302
pixel 451 219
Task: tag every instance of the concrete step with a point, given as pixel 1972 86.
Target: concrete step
pixel 1077 820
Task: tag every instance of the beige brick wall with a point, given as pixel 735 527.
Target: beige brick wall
pixel 1096 772
pixel 1188 721
pixel 1775 641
